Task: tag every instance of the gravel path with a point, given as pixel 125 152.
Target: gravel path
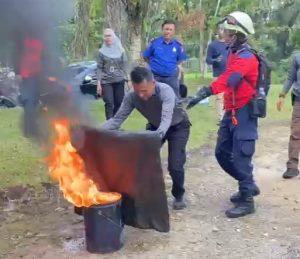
pixel 201 231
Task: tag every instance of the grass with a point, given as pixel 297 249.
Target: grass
pixel 273 114
pixel 196 75
pixel 21 160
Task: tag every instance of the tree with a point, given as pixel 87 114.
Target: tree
pixel 116 17
pixel 277 24
pixel 97 23
pixel 284 18
pixel 133 21
pixel 80 44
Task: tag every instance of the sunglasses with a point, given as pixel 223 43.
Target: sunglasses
pixel 232 21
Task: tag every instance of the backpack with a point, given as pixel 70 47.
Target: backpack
pixel 258 104
pixel 264 74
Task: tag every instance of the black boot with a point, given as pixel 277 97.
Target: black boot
pixel 290 173
pixel 236 197
pixel 243 208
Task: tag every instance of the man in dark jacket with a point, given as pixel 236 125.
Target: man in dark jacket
pixel 238 131
pixel 217 54
pixel 294 144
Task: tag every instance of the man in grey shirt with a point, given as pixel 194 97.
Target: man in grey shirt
pixel 158 104
pixel 294 144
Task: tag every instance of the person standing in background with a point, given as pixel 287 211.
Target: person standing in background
pixel 164 54
pixel 294 144
pixel 111 72
pixel 217 57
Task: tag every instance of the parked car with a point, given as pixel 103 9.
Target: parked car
pixel 84 74
pixel 9 88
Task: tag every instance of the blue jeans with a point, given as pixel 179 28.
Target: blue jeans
pixel 235 148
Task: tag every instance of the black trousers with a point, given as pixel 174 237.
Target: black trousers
pixel 113 95
pixel 172 81
pixel 235 148
pixel 177 137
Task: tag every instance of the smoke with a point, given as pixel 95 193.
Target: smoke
pixel 29 40
pixel 30 18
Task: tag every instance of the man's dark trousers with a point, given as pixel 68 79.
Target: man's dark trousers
pixel 172 81
pixel 177 137
pixel 235 148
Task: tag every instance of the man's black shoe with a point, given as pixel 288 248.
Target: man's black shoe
pixel 243 208
pixel 236 197
pixel 290 173
pixel 179 204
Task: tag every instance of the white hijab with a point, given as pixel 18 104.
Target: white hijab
pixel 115 50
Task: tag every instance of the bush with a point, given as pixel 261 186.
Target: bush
pixel 280 71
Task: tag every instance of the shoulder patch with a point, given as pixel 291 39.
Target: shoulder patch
pixel 246 54
pixel 179 42
pixel 153 39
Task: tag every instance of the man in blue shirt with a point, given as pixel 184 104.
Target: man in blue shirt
pixel 217 57
pixel 163 55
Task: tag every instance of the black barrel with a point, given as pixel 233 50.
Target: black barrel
pixel 103 228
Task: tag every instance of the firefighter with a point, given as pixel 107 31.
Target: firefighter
pixel 238 131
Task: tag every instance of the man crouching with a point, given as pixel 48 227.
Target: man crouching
pixel 158 104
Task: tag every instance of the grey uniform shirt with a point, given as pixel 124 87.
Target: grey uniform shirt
pixel 162 110
pixel 111 70
pixel 293 77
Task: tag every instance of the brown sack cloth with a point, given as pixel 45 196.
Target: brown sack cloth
pixel 128 163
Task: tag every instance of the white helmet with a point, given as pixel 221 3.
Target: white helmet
pixel 239 21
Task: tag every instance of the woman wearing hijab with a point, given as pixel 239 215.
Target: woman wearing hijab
pixel 112 62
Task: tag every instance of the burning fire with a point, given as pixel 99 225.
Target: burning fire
pixel 67 167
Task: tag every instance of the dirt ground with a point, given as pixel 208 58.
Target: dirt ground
pixel 47 228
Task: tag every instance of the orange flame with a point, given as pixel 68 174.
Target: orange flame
pixel 67 168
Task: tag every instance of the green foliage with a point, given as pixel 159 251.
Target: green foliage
pixel 96 23
pixel 67 33
pixel 277 24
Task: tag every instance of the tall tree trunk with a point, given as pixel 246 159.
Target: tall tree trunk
pixel 135 48
pixel 124 18
pixel 80 44
pixel 116 18
pixel 135 12
pixel 150 15
pixel 127 18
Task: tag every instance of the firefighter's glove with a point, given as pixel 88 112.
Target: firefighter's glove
pixel 203 93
